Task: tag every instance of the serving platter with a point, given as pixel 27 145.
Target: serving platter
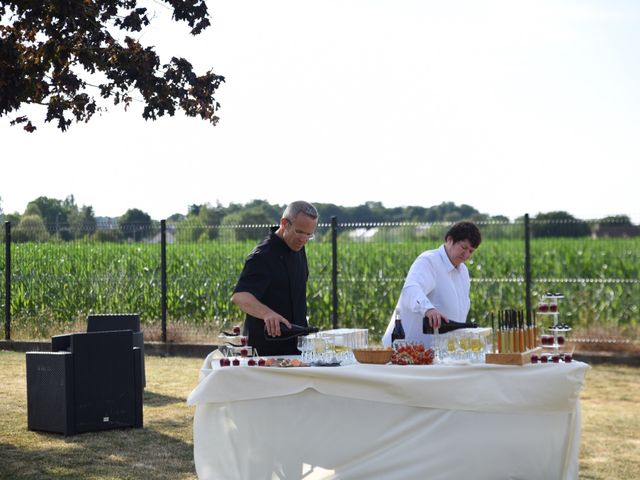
pixel 284 363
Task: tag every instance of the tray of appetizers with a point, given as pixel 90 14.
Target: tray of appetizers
pixel 284 362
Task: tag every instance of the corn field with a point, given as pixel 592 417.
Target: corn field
pixel 55 284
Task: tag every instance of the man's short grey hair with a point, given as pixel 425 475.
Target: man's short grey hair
pixel 297 207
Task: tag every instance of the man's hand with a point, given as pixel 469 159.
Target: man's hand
pixel 272 322
pixel 251 305
pixel 435 318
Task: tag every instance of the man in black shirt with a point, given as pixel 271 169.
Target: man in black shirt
pixel 272 288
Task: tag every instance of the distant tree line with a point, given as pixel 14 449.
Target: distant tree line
pixel 63 220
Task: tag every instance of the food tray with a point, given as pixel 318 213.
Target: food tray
pixel 520 358
pixel 285 363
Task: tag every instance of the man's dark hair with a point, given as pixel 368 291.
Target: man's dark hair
pixel 465 231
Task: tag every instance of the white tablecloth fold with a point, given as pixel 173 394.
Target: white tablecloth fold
pixel 479 388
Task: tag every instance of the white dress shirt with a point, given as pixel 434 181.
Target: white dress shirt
pixel 432 282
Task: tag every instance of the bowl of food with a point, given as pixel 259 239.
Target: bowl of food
pixel 376 355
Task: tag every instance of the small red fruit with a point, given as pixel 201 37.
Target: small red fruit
pixel 534 358
pixel 227 362
pixel 262 362
pixel 251 362
pixel 236 330
pixel 243 341
pixel 236 362
pixel 568 357
pixel 244 352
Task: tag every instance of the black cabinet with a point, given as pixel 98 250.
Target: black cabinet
pixel 89 382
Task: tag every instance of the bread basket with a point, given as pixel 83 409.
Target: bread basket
pixel 377 355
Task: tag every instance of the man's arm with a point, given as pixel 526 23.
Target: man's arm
pixel 250 305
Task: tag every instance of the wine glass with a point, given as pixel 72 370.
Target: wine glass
pixel 317 347
pixel 465 346
pixel 341 346
pixel 302 347
pixel 329 354
pixel 452 345
pixel 476 347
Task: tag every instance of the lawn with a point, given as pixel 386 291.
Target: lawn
pixel 163 449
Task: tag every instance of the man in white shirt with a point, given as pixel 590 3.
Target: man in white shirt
pixel 437 285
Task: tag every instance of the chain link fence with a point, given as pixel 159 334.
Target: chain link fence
pixel 356 273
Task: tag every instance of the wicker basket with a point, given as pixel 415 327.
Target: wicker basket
pixel 373 355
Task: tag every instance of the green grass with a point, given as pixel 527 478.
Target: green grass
pixel 163 449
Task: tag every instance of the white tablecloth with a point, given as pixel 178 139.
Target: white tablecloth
pixel 386 422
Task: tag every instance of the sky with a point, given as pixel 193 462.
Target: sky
pixel 509 106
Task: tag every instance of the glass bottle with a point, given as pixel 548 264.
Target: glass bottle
pixel 398 330
pixel 287 333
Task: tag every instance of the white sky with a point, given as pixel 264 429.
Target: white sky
pixel 510 106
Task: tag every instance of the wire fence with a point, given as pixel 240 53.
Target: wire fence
pixel 356 273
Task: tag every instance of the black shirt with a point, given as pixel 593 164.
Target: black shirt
pixel 276 276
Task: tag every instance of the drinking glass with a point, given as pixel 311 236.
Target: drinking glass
pixel 329 354
pixel 318 346
pixel 441 347
pixel 304 347
pixel 452 346
pixel 341 347
pixel 465 346
pixel 476 347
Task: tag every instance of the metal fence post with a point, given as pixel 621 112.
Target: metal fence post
pixel 7 280
pixel 163 277
pixel 527 267
pixel 334 271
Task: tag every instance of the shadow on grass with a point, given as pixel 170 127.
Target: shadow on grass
pixel 112 454
pixel 152 399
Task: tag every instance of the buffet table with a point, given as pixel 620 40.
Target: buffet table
pixel 387 421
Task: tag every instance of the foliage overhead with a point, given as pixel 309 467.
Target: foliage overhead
pixel 65 55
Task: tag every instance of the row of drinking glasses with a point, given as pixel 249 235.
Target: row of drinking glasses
pixel 318 348
pixel 333 346
pixel 465 346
